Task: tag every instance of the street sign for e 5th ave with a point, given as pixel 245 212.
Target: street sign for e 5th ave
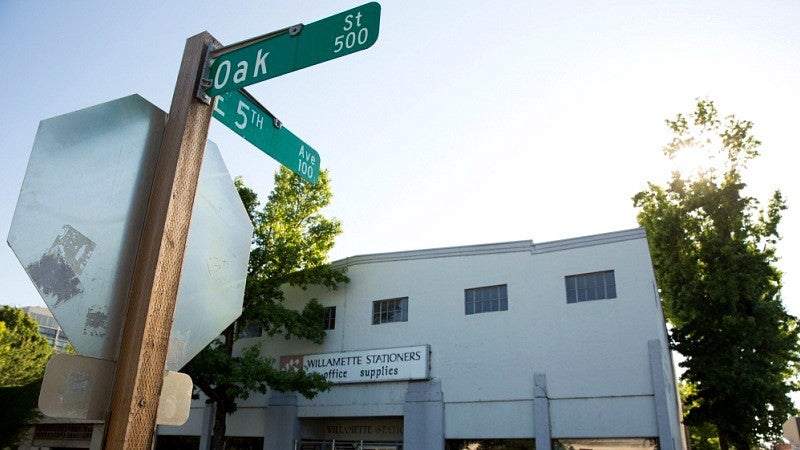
pixel 246 117
pixel 296 48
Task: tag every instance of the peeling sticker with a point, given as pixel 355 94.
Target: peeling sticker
pixel 56 272
pixel 96 321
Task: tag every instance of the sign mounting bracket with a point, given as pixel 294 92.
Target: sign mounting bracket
pixel 204 77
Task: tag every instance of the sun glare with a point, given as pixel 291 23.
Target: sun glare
pixel 695 161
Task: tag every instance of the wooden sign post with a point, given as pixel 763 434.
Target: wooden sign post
pixel 140 368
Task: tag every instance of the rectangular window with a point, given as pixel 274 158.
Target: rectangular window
pixel 329 318
pixel 47 332
pixel 486 299
pixel 250 329
pixel 493 444
pixel 392 310
pixel 590 286
pixel 606 444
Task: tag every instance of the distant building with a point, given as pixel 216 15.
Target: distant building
pixel 48 326
pixel 520 345
pixel 791 434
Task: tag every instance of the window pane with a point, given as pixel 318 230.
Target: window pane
pixel 590 286
pixel 391 310
pixel 329 318
pixel 486 299
pixel 606 444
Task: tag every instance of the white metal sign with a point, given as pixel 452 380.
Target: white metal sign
pixel 365 366
pixel 76 229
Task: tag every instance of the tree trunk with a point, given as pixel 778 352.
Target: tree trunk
pixel 723 440
pixel 220 412
pixel 218 436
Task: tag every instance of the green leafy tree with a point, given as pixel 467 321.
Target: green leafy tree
pixel 23 351
pixel 714 251
pixel 291 241
pixel 23 355
pixel 701 437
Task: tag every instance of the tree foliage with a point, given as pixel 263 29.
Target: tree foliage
pixel 714 251
pixel 23 351
pixel 18 411
pixel 701 437
pixel 23 355
pixel 291 241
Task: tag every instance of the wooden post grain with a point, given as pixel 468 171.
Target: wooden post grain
pixel 140 368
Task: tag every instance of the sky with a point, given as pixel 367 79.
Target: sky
pixel 466 123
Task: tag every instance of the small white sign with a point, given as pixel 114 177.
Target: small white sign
pixel 79 387
pixel 365 366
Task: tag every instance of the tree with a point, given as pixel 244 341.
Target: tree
pixel 291 241
pixel 18 411
pixel 23 351
pixel 23 355
pixel 714 252
pixel 701 437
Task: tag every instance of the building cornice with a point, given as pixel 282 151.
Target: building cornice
pixel 496 248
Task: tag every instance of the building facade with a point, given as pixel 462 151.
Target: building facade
pixel 514 345
pixel 48 327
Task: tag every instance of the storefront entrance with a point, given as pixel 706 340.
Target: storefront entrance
pixel 348 445
pixel 351 433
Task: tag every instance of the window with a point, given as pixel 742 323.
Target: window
pixel 392 310
pixel 591 286
pixel 329 318
pixel 486 299
pixel 606 444
pixel 250 329
pixel 490 444
pixel 47 332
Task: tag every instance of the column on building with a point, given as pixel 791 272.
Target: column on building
pixel 423 416
pixel 659 374
pixel 283 425
pixel 541 411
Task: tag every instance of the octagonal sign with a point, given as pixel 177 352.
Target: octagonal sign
pixel 215 264
pixel 79 216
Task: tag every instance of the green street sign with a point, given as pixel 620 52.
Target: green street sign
pixel 246 117
pixel 295 48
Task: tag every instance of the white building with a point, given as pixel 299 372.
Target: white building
pixel 487 346
pixel 48 327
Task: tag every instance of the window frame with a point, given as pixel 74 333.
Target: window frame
pixel 591 286
pixel 390 310
pixel 493 298
pixel 247 329
pixel 329 318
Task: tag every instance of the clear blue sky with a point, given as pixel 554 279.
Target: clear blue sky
pixel 467 122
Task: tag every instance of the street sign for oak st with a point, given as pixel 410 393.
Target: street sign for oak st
pixel 335 36
pixel 247 118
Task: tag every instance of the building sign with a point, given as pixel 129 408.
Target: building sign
pixel 376 429
pixel 365 366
